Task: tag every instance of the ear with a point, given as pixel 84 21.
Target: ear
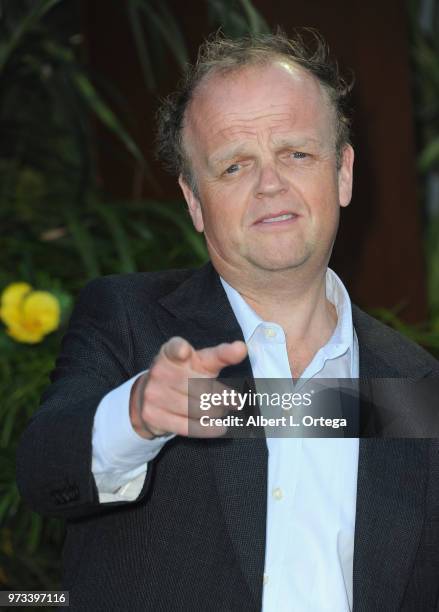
pixel 193 204
pixel 345 176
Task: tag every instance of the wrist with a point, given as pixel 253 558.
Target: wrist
pixel 135 408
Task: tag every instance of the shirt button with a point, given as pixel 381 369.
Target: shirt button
pixel 270 332
pixel 265 580
pixel 277 493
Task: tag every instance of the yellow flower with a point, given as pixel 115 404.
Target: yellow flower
pixel 11 300
pixel 29 315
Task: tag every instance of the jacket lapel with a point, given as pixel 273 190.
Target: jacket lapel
pixel 392 478
pixel 200 311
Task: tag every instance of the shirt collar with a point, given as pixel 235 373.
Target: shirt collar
pixel 343 335
pixel 337 294
pixel 247 318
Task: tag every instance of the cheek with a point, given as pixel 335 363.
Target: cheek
pixel 226 205
pixel 324 194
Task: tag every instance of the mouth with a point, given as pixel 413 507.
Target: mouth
pixel 281 218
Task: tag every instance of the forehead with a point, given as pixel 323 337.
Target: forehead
pixel 273 100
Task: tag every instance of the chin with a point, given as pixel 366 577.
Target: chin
pixel 278 260
pixel 277 264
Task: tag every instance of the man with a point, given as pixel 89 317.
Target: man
pixel 160 520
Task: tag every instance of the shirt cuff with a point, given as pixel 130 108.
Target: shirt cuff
pixel 119 454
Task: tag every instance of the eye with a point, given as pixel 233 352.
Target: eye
pixel 233 169
pixel 299 155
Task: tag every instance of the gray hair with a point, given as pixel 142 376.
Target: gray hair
pixel 221 55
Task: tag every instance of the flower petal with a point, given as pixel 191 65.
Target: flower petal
pixel 22 334
pixel 11 302
pixel 41 311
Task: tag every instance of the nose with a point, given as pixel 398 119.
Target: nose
pixel 270 182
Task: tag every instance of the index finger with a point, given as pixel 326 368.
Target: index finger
pixel 214 358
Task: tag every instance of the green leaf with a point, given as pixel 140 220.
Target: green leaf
pixel 172 34
pixel 119 238
pixel 84 244
pixel 8 424
pixel 429 156
pixel 59 53
pixel 106 115
pixel 257 23
pixel 236 19
pixel 428 337
pixel 174 41
pixel 5 504
pixel 142 49
pixel 142 230
pixel 195 240
pixel 35 530
pixel 7 345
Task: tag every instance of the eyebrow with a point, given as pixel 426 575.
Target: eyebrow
pixel 228 154
pixel 240 149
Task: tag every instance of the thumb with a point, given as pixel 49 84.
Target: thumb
pixel 215 358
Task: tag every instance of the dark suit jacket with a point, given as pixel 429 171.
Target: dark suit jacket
pixel 195 538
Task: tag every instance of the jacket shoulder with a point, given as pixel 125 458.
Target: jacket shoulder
pixel 137 285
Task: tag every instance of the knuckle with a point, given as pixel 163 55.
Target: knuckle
pixel 149 396
pixel 151 417
pixel 152 374
pixel 158 370
pixel 155 359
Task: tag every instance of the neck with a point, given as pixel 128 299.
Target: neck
pixel 294 300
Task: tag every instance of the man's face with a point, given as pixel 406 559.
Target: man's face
pixel 261 143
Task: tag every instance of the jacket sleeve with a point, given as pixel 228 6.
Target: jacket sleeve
pixel 54 457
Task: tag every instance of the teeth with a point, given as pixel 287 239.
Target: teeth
pixel 280 218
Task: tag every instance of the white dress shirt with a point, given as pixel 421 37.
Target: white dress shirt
pixel 311 482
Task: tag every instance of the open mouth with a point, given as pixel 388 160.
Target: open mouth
pixel 279 218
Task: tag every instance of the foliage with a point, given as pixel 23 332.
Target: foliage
pixel 425 55
pixel 423 17
pixel 424 31
pixel 236 17
pixel 58 228
pixel 24 560
pixel 422 334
